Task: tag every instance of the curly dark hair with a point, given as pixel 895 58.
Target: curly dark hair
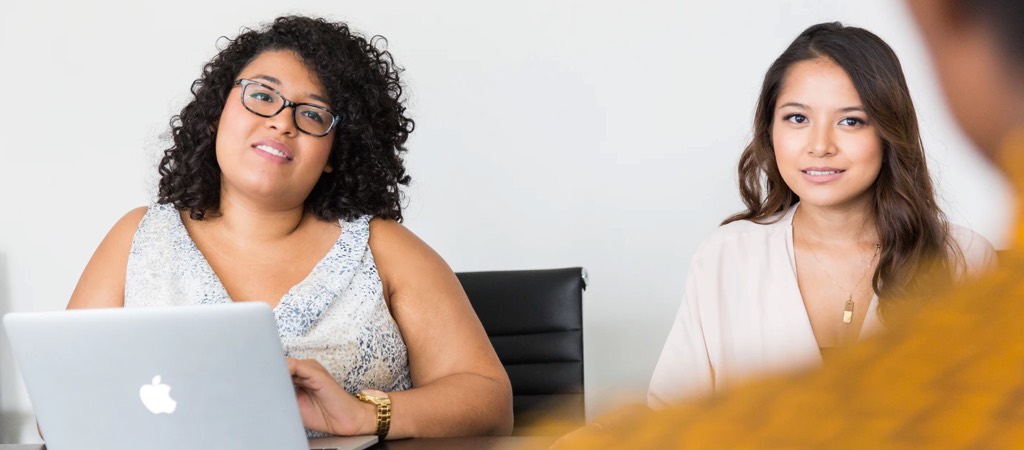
pixel 361 80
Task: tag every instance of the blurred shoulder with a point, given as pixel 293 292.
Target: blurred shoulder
pixel 978 253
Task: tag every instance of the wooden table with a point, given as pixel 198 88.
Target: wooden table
pixel 462 443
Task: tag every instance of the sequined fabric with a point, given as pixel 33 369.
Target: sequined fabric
pixel 336 315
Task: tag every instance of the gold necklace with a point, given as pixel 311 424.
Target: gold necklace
pixel 848 307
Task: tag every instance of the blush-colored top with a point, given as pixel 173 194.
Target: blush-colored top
pixel 743 315
pixel 336 315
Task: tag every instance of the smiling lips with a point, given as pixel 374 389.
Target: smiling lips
pixel 273 148
pixel 822 174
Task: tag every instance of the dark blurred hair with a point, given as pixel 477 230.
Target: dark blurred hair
pixel 911 228
pixel 361 80
pixel 1004 17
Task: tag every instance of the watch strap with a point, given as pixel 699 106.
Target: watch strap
pixel 383 405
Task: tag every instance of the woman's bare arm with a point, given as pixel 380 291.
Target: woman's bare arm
pixel 102 281
pixel 459 385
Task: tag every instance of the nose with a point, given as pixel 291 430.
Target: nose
pixel 822 143
pixel 283 121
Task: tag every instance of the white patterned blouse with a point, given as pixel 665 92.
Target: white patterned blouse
pixel 336 315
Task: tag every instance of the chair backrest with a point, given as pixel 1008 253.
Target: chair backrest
pixel 534 319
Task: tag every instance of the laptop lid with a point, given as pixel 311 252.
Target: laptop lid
pixel 186 377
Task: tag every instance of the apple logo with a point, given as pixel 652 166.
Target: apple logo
pixel 157 397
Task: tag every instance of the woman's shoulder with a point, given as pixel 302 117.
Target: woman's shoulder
pixel 385 227
pixel 749 230
pixel 156 217
pixel 103 281
pixel 390 236
pixel 749 226
pixel 130 222
pixel 978 253
pixel 743 240
pixel 122 234
pixel 406 263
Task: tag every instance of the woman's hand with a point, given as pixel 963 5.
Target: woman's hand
pixel 324 405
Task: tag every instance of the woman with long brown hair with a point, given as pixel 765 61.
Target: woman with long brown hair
pixel 840 221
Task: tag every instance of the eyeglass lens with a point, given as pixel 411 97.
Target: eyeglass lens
pixel 266 102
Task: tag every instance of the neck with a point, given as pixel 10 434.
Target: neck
pixel 846 224
pixel 257 222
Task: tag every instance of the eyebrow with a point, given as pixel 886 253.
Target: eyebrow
pixel 268 78
pixel 278 82
pixel 803 106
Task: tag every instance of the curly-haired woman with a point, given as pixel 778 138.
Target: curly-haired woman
pixel 283 186
pixel 841 223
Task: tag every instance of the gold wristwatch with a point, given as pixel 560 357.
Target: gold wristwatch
pixel 383 403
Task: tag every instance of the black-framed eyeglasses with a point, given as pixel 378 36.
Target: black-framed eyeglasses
pixel 265 101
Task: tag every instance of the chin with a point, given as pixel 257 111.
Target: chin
pixel 835 201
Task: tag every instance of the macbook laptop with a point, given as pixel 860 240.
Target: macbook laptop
pixel 186 377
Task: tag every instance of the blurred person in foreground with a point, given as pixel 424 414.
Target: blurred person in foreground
pixel 949 375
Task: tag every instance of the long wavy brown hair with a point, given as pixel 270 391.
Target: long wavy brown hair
pixel 912 230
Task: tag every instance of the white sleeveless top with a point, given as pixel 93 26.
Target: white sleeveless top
pixel 336 315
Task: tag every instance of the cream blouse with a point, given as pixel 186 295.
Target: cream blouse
pixel 743 316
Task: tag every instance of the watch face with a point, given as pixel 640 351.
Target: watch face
pixel 373 393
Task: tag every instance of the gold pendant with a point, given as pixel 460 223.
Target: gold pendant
pixel 848 311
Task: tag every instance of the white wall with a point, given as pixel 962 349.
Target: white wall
pixel 549 133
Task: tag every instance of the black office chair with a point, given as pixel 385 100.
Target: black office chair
pixel 534 319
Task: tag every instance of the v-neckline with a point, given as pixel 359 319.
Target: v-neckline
pixel 868 324
pixel 289 294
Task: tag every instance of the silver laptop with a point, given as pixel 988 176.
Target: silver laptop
pixel 187 377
